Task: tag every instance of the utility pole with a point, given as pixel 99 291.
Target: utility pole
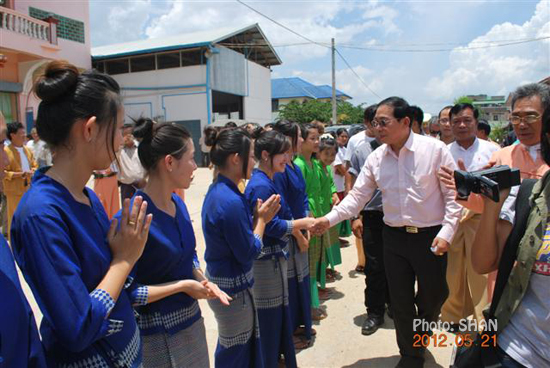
pixel 334 117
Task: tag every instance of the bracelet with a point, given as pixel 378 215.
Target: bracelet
pixel 354 218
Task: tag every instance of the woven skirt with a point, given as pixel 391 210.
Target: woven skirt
pixel 271 297
pixel 186 348
pixel 238 332
pixel 299 295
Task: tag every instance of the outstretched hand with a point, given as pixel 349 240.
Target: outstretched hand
pixel 320 226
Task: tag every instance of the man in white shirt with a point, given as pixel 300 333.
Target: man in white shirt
pixel 41 152
pixel 130 174
pixel 420 217
pixel 467 289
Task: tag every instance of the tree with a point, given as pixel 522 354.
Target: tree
pixel 307 111
pixel 463 99
pixel 499 132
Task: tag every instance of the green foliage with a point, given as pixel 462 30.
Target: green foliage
pixel 463 99
pixel 499 132
pixel 322 111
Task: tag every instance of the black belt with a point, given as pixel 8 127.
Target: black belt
pixel 414 229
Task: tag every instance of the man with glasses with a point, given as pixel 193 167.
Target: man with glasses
pixel 445 130
pixel 467 289
pixel 420 218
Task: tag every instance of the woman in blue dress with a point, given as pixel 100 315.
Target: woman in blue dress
pixel 272 150
pixel 172 329
pixel 20 344
pixel 75 261
pixel 292 186
pixel 233 235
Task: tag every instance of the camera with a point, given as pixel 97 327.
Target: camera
pixel 487 182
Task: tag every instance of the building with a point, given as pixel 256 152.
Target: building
pixel 31 34
pixel 491 108
pixel 195 78
pixel 284 90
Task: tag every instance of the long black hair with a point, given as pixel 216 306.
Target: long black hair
pixel 160 140
pixel 68 95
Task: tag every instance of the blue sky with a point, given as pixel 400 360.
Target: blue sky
pixel 428 79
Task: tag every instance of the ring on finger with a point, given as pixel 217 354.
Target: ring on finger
pixel 132 223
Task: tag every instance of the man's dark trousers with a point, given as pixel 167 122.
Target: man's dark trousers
pixel 408 259
pixel 376 288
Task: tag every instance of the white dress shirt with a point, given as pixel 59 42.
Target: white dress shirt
pixel 355 141
pixel 339 180
pixel 130 166
pixel 476 156
pixel 412 194
pixel 25 167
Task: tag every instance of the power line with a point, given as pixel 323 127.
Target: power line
pixel 492 44
pixel 281 25
pixel 357 75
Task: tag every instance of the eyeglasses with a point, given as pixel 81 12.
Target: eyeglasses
pixel 381 122
pixel 466 121
pixel 527 119
pixel 444 121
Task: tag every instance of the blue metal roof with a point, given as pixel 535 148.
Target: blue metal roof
pixel 297 87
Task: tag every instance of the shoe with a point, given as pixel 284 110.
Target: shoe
pixel 317 314
pixel 360 269
pixel 371 325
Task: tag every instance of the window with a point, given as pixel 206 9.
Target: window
pixel 189 58
pixel 117 66
pixel 495 118
pixel 274 105
pixel 170 60
pixel 142 63
pixel 99 66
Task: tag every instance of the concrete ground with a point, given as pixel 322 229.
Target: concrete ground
pixel 339 342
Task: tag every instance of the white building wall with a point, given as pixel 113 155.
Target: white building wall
pixel 257 103
pixel 170 95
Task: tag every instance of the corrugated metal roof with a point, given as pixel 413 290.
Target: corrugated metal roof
pixel 297 87
pixel 189 40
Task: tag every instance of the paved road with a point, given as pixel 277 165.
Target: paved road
pixel 339 342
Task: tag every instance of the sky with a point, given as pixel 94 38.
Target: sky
pixel 428 52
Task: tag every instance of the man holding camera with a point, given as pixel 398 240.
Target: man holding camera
pixel 467 289
pixel 420 218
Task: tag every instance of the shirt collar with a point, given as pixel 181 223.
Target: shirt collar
pixel 229 183
pixel 410 144
pixel 473 147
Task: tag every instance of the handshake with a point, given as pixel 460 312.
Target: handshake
pixel 317 226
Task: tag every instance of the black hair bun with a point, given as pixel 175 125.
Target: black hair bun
pixel 59 78
pixel 211 135
pixel 143 128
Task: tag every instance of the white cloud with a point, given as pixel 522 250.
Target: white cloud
pixel 497 70
pixel 314 20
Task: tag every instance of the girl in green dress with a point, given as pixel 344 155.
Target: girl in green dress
pixel 327 153
pixel 317 245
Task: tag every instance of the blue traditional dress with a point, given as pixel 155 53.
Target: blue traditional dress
pixel 231 248
pixel 61 246
pixel 172 329
pixel 292 186
pixel 20 344
pixel 271 276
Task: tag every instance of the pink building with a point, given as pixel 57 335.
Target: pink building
pixel 32 32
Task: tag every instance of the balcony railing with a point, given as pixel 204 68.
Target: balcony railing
pixel 13 21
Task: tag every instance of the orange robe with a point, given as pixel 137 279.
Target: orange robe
pixel 106 189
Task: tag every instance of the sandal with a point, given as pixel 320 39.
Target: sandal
pixel 317 314
pixel 360 269
pixel 324 294
pixel 302 331
pixel 299 343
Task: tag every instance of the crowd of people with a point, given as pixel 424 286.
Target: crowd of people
pixel 118 279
